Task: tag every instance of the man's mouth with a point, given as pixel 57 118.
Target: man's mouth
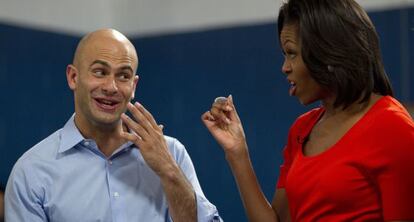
pixel 107 105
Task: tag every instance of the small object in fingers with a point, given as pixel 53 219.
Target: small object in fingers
pixel 220 99
pixel 223 101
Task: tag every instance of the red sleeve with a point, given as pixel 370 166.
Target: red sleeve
pixel 288 156
pixel 284 168
pixel 394 166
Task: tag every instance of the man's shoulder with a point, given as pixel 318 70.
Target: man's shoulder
pixel 35 160
pixel 174 144
pixel 43 150
pixel 177 149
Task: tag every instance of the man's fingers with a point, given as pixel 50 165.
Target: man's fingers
pixel 131 137
pixel 147 115
pixel 135 127
pixel 139 117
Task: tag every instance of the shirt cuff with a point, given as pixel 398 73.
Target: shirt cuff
pixel 206 212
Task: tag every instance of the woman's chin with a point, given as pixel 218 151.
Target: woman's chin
pixel 307 101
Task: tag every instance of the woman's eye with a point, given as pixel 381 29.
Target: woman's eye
pixel 290 55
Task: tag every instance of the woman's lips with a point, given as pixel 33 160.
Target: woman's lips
pixel 292 88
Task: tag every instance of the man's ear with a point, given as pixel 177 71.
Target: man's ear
pixel 72 76
pixel 136 78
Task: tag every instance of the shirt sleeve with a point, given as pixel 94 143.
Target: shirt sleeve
pixel 206 211
pixel 394 167
pixel 22 200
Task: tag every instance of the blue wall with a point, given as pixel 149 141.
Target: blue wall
pixel 180 75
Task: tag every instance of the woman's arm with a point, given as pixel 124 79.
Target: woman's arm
pixel 224 124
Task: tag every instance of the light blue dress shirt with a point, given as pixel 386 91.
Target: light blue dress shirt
pixel 66 178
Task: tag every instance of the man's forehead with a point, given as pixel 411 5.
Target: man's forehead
pixel 108 43
pixel 110 50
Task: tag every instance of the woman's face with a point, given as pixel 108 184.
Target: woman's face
pixel 302 85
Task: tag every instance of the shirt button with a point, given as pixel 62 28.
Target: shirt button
pixel 116 194
pixel 110 162
pixel 86 143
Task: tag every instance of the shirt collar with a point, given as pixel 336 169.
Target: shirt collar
pixel 70 135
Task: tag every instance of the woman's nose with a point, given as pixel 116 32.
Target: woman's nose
pixel 286 67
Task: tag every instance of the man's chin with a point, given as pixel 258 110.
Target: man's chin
pixel 108 120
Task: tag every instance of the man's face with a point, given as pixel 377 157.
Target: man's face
pixel 105 82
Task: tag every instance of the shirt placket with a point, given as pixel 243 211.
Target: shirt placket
pixel 115 191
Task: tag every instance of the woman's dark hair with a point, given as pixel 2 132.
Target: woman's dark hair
pixel 340 47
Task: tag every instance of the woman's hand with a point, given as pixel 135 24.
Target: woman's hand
pixel 224 124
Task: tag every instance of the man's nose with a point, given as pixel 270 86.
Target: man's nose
pixel 110 85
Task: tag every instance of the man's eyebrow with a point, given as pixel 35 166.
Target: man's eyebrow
pixel 100 62
pixel 106 64
pixel 127 68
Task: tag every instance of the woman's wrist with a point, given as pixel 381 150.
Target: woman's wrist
pixel 237 154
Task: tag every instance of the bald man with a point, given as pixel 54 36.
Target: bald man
pixel 103 165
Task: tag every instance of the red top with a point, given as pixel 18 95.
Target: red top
pixel 368 175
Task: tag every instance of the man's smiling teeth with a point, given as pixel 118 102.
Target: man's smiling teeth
pixel 106 102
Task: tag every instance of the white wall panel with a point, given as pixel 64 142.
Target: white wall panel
pixel 148 17
pixel 155 16
pixel 67 16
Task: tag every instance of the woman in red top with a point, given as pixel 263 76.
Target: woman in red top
pixel 352 159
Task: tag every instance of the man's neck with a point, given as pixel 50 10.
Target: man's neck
pixel 107 137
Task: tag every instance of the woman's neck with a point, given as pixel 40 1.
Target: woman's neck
pixel 353 109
